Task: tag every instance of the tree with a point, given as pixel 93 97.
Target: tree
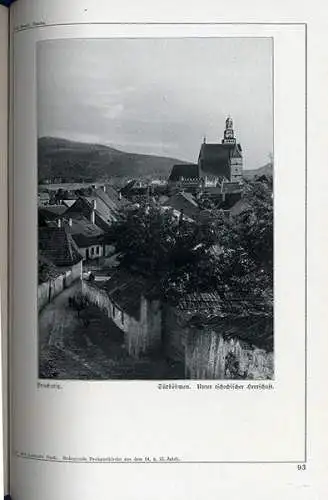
pixel 255 224
pixel 177 254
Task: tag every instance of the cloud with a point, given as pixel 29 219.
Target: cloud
pixel 158 96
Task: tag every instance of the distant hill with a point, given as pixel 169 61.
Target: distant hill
pixel 265 170
pixel 76 161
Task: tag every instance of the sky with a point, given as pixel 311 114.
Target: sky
pixel 158 96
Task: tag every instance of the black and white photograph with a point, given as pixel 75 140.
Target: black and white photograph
pixel 155 208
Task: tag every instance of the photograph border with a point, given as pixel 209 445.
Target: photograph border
pixel 305 459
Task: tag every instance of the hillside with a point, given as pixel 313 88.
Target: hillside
pixel 265 170
pixel 75 161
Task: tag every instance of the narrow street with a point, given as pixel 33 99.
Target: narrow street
pixel 56 319
pixel 72 349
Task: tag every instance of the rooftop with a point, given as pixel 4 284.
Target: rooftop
pixel 231 317
pixel 183 202
pixel 83 231
pixel 215 158
pixel 58 247
pixel 184 171
pixel 52 212
pixel 125 291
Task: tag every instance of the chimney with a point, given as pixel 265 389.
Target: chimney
pixel 70 222
pixel 94 204
pixel 104 188
pixel 120 195
pixel 93 216
pixel 59 223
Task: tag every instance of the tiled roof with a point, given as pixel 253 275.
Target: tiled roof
pixel 104 210
pixel 184 202
pixel 216 304
pixel 239 207
pixel 52 212
pixel 207 304
pixel 83 231
pixel 252 330
pixel 125 291
pixel 105 214
pixel 215 158
pixel 58 247
pixel 232 317
pixel 112 194
pixel 186 171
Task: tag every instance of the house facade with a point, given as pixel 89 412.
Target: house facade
pixel 88 237
pixel 127 300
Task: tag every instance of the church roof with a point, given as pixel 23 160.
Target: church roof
pixel 187 171
pixel 215 158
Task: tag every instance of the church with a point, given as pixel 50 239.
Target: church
pixel 217 163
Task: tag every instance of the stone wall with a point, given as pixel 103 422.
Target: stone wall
pixel 210 356
pixel 215 353
pixel 48 290
pixel 174 334
pixel 140 336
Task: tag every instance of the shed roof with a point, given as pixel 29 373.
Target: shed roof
pixel 125 290
pixel 230 316
pixel 58 247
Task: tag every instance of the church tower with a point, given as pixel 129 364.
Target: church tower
pixel 235 152
pixel 229 134
pixel 222 160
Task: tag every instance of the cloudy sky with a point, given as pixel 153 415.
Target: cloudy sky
pixel 158 96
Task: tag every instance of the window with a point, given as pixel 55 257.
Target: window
pixel 122 317
pixel 114 311
pixel 92 251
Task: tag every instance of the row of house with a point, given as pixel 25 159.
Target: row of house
pixel 70 234
pixel 86 220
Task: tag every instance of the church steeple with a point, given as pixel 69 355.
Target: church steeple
pixel 229 135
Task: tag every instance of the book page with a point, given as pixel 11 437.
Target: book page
pixel 162 283
pixel 4 33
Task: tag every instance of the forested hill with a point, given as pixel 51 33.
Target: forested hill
pixel 76 161
pixel 265 170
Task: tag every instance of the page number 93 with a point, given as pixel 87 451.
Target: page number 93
pixel 301 466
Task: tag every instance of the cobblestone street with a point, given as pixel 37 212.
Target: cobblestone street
pixel 70 349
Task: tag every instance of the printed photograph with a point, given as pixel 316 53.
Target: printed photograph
pixel 155 209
